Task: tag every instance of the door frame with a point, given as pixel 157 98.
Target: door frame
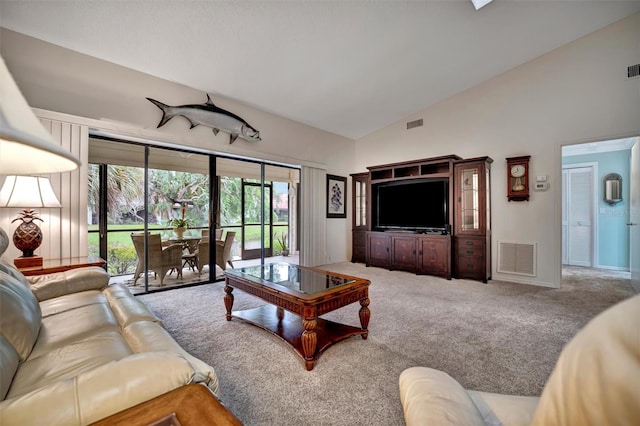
pixel 267 243
pixel 634 216
pixel 594 208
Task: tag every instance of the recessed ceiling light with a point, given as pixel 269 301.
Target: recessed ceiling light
pixel 479 3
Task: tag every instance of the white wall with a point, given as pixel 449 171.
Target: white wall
pixel 577 93
pixel 56 79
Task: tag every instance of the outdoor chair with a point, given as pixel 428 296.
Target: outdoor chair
pixel 161 259
pixel 198 259
pixel 223 250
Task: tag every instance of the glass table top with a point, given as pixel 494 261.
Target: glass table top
pixel 290 276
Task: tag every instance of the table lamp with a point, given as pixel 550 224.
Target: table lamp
pixel 27 192
pixel 26 147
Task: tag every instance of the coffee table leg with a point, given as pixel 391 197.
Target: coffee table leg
pixel 365 314
pixel 228 300
pixel 309 341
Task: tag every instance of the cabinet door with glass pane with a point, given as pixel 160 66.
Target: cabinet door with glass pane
pixel 359 216
pixel 472 200
pixel 472 215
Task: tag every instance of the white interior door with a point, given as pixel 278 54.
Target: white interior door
pixel 565 215
pixel 578 212
pixel 634 217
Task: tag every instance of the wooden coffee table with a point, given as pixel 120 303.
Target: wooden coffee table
pixel 297 296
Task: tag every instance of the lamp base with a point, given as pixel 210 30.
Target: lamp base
pixel 27 262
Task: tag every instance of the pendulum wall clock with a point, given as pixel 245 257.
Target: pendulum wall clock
pixel 518 178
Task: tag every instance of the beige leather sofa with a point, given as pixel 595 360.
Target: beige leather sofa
pixel 74 350
pixel 596 381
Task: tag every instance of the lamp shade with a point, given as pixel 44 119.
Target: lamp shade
pixel 28 192
pixel 25 145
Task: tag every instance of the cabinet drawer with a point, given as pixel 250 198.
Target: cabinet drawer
pixel 470 266
pixel 471 251
pixel 470 247
pixel 469 243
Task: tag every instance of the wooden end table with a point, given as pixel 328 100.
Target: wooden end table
pixel 49 266
pixel 190 405
pixel 298 296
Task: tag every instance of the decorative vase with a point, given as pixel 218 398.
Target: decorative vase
pixel 179 231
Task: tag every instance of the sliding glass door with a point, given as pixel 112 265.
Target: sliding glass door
pixel 256 206
pixel 259 203
pixel 145 200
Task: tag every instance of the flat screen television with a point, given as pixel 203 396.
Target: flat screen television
pixel 420 205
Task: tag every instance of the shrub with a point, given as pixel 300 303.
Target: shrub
pixel 121 259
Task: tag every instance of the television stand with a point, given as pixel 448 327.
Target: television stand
pixel 461 249
pixel 428 254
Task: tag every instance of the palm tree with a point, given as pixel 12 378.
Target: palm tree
pixel 124 189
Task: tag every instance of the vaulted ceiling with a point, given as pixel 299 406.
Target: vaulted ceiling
pixel 348 67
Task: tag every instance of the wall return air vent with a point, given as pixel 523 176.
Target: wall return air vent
pixel 633 71
pixel 517 258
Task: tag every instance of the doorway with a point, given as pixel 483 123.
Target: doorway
pixel 578 227
pixel 597 237
pixel 634 216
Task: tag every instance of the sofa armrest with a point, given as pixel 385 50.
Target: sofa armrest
pixel 99 393
pixel 145 336
pixel 432 397
pixel 58 284
pixel 502 409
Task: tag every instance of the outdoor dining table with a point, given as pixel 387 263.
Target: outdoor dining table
pixel 190 243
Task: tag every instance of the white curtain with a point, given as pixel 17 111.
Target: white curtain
pixel 313 223
pixel 64 230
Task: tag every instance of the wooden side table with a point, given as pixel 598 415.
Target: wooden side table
pixel 190 405
pixel 50 266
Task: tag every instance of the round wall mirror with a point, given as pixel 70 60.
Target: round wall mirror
pixel 613 188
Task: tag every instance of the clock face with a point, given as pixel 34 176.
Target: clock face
pixel 517 170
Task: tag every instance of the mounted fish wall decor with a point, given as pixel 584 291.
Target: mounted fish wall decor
pixel 208 114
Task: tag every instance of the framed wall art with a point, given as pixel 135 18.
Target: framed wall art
pixel 336 197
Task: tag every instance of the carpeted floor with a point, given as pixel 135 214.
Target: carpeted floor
pixel 497 337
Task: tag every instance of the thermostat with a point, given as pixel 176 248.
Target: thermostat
pixel 541 186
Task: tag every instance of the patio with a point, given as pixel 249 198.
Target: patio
pixel 189 277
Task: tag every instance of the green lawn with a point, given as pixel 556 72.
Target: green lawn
pixel 123 237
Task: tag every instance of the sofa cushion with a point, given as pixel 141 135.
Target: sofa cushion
pixel 69 302
pixel 14 272
pixel 597 377
pixel 48 286
pixel 74 325
pixel 100 392
pixel 68 361
pixel 126 307
pixel 432 397
pixel 21 316
pixel 8 366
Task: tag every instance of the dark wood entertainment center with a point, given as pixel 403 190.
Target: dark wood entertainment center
pixel 461 248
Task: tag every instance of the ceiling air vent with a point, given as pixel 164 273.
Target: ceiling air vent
pixel 414 123
pixel 633 71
